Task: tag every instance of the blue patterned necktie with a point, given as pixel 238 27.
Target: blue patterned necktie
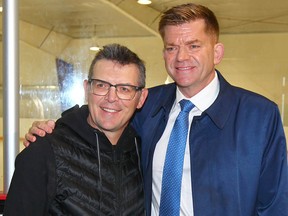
pixel 173 167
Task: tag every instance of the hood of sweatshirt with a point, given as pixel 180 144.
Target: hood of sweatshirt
pixel 75 119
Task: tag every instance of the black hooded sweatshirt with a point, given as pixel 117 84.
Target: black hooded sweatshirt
pixel 77 171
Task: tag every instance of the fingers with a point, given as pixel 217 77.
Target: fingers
pixel 39 128
pixel 51 124
pixel 28 138
pixel 26 143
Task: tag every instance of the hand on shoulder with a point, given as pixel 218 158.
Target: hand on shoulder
pixel 39 128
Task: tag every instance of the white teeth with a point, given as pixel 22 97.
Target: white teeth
pixel 109 110
pixel 184 68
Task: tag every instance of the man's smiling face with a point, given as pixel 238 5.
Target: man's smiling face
pixel 109 113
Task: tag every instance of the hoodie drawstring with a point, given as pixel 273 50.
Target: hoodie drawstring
pixel 99 171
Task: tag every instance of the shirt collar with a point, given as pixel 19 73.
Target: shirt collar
pixel 205 97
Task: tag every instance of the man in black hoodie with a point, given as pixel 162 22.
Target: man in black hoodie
pixel 90 165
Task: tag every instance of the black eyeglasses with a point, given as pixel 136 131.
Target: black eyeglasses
pixel 123 91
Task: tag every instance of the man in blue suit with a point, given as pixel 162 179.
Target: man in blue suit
pixel 235 160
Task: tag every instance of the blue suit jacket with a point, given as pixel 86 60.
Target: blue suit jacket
pixel 237 148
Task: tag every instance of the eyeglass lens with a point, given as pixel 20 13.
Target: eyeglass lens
pixel 124 92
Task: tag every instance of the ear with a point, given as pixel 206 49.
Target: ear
pixel 218 53
pixel 86 89
pixel 142 99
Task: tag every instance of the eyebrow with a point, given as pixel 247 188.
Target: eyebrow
pixel 193 42
pixel 129 84
pixel 186 43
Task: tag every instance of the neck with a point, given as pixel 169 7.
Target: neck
pixel 112 135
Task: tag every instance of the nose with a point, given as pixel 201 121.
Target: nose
pixel 111 95
pixel 182 54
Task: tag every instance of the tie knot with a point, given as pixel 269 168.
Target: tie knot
pixel 186 105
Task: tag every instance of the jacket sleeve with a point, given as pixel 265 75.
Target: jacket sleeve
pixel 273 183
pixel 31 184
